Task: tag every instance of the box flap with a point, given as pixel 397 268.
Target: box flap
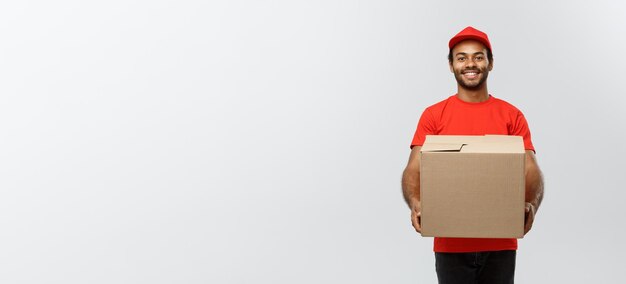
pixel 442 147
pixel 453 139
pixel 474 144
pixel 502 139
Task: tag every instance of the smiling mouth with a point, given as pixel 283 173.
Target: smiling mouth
pixel 470 74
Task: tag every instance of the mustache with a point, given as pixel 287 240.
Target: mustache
pixel 470 70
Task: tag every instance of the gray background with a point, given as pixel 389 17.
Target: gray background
pixel 263 141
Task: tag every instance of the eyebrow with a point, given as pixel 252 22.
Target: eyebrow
pixel 475 53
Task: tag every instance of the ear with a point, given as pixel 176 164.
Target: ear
pixel 490 66
pixel 450 65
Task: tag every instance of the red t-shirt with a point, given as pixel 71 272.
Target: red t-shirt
pixel 456 117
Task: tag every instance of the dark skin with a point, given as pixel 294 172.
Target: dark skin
pixel 470 57
pixel 411 187
pixel 471 68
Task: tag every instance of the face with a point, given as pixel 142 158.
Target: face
pixel 470 64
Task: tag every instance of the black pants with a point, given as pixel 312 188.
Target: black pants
pixel 492 267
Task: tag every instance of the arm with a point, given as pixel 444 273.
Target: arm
pixel 411 187
pixel 534 189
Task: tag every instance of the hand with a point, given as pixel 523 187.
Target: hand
pixel 416 217
pixel 529 217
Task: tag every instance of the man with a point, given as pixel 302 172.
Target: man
pixel 472 111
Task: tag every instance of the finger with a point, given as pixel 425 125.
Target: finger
pixel 418 220
pixel 416 223
pixel 528 227
pixel 528 224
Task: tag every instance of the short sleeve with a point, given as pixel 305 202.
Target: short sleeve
pixel 425 126
pixel 520 128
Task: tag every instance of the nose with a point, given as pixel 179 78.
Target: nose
pixel 470 63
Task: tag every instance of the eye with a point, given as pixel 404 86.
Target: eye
pixel 479 58
pixel 461 59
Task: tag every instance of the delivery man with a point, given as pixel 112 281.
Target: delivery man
pixel 472 111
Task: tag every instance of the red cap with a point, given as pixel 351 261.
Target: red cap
pixel 470 33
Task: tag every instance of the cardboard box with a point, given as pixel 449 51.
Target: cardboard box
pixel 472 186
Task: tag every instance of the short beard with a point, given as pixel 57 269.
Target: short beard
pixel 459 80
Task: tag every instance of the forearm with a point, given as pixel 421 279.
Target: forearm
pixel 411 191
pixel 411 186
pixel 534 184
pixel 411 180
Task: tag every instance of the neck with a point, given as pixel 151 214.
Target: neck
pixel 473 95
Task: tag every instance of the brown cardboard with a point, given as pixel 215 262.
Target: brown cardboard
pixel 472 186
